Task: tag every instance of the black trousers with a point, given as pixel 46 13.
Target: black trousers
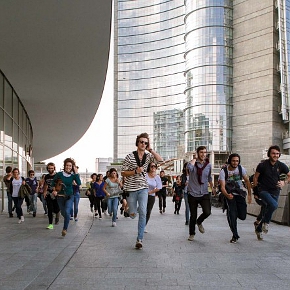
pixel 150 204
pixel 162 200
pixel 193 202
pixel 237 208
pixel 52 207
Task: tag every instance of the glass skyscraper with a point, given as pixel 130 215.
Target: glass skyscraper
pixel 149 75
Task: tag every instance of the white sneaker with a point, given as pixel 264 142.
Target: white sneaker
pixel 22 218
pixel 114 224
pixel 265 228
pixel 138 245
pixel 19 221
pixel 191 238
pixel 145 230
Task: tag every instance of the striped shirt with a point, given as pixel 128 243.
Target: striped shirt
pixel 137 181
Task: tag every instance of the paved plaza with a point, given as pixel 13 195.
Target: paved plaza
pixel 95 255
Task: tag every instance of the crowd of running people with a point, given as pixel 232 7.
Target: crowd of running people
pixel 139 185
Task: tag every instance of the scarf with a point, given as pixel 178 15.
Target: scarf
pixel 200 170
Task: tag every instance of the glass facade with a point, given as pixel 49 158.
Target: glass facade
pixel 149 72
pixel 209 73
pixel 15 131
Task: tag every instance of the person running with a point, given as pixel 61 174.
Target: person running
pixel 63 188
pixel 184 184
pixel 134 168
pixel 40 193
pixel 50 198
pixel 199 176
pixel 154 185
pixel 112 189
pixel 90 193
pixel 75 208
pixel 231 181
pixel 177 194
pixel 7 181
pixel 162 193
pixel 99 193
pixel 15 185
pixel 33 183
pixel 267 177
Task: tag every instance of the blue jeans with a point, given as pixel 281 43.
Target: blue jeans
pixel 65 204
pixel 140 196
pixel 185 195
pixel 75 209
pixel 44 204
pixel 33 202
pixel 113 207
pixel 271 202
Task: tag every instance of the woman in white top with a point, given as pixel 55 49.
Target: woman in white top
pixel 154 185
pixel 16 182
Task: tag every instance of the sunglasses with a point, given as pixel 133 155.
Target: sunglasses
pixel 143 142
pixel 31 174
pixel 152 166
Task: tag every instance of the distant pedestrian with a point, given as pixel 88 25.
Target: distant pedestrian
pixel 177 194
pixel 184 184
pixel 75 208
pixel 90 193
pixel 99 193
pixel 112 189
pixel 267 177
pixel 162 193
pixel 31 180
pixel 7 181
pixel 199 176
pixel 134 168
pixel 40 193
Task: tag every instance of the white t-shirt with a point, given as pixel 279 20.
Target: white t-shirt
pixel 16 183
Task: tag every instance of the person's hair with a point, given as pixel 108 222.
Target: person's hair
pixel 99 176
pixel 142 135
pixel 30 171
pixel 112 170
pixel 8 169
pixel 274 147
pixel 200 148
pixel 15 169
pixel 94 174
pixel 69 160
pixel 184 168
pixel 232 156
pixel 162 171
pixel 149 165
pixel 50 164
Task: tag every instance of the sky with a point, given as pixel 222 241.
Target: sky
pixel 98 140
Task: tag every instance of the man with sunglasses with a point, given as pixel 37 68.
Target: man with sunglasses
pixel 134 168
pixel 33 183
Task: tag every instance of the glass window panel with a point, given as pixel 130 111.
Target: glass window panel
pixel 1 91
pixel 15 137
pixel 8 98
pixel 8 130
pixel 15 108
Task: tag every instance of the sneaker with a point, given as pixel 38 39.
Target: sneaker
pixel 96 214
pixel 164 210
pixel 114 224
pixel 201 228
pixel 233 240
pixel 71 218
pixel 259 236
pixel 50 227
pixel 19 221
pixel 63 233
pixel 34 214
pixel 160 211
pixel 11 215
pixel 100 217
pixel 265 228
pixel 145 230
pixel 186 223
pixel 76 219
pixel 191 238
pixel 138 244
pixel 22 218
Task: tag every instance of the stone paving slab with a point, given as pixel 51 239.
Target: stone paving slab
pixel 94 255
